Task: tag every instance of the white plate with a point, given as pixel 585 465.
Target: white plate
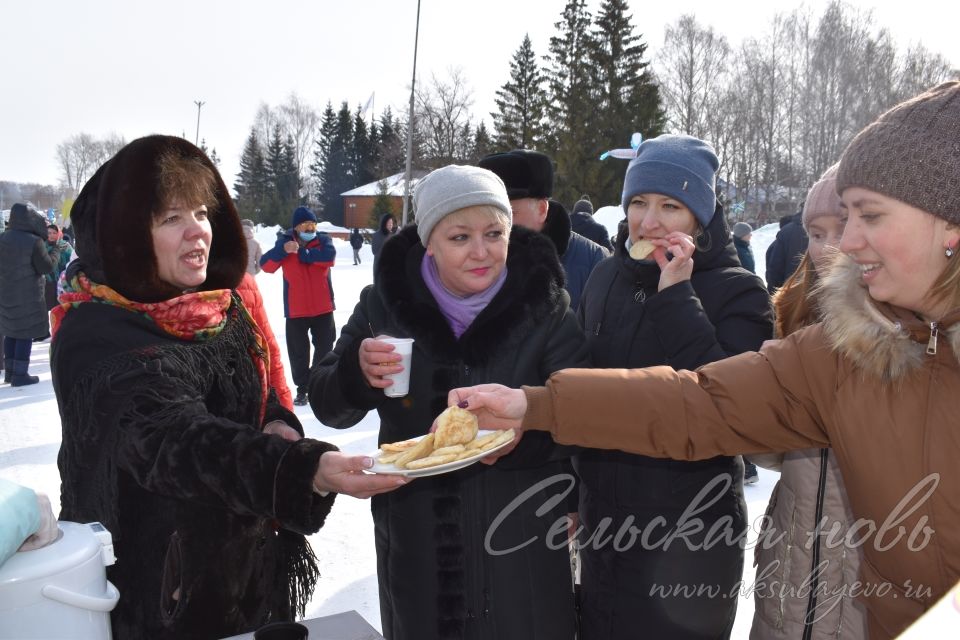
pixel 390 469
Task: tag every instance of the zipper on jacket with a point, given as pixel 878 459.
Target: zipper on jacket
pixel 932 344
pixel 810 619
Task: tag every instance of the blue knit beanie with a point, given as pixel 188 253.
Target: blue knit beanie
pixel 679 166
pixel 302 214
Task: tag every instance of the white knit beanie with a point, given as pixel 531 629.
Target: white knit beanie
pixel 452 188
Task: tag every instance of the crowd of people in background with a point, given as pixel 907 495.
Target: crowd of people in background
pixel 644 371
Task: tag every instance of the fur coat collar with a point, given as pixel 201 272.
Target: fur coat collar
pixel 881 340
pixel 533 288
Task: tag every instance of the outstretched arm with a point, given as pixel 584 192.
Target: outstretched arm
pixel 752 403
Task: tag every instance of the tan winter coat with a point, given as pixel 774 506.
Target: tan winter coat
pixel 861 381
pixel 788 553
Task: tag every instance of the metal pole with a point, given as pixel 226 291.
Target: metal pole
pixel 199 104
pixel 413 86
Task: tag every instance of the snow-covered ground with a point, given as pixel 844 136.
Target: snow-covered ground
pixel 30 439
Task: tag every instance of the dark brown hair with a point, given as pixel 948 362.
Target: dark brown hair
pixel 185 181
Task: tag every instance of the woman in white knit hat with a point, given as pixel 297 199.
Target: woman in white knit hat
pixel 484 302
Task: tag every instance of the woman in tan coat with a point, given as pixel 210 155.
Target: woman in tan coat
pixel 877 379
pixel 817 573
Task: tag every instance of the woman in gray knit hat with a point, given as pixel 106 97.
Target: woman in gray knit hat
pixel 877 379
pixel 471 553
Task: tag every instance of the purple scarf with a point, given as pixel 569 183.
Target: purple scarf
pixel 459 312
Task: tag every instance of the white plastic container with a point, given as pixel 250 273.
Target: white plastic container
pixel 61 590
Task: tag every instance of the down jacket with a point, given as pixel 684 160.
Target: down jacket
pixel 307 291
pixel 24 261
pixel 578 255
pixel 721 311
pixel 252 299
pixel 437 575
pixel 810 491
pixel 867 381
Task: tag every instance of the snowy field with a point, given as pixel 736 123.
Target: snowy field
pixel 30 439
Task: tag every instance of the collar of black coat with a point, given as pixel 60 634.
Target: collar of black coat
pixel 879 339
pixel 533 289
pixel 718 250
pixel 557 227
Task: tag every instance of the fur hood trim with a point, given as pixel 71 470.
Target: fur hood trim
pixel 880 340
pixel 534 287
pixel 112 218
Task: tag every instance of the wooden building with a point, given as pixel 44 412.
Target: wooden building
pixel 358 203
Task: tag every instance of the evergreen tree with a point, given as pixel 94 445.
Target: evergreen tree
pixel 338 170
pixel 382 204
pixel 328 127
pixel 521 103
pixel 628 98
pixel 274 206
pixel 570 136
pixel 389 147
pixel 252 179
pixel 482 144
pixel 361 151
pixel 288 179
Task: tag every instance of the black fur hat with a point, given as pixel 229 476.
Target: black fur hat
pixel 527 174
pixel 113 216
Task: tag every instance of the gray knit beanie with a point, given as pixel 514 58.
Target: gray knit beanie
pixel 911 153
pixel 452 188
pixel 742 230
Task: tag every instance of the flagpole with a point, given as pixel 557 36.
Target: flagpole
pixel 413 85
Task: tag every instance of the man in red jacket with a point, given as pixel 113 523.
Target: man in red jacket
pixel 305 257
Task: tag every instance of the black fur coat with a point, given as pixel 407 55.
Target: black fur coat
pixel 440 560
pixel 162 438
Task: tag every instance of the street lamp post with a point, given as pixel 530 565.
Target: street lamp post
pixel 199 104
pixel 413 85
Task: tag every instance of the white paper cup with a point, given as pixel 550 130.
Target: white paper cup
pixel 401 381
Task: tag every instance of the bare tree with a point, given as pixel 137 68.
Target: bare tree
pixel 920 69
pixel 263 124
pixel 691 65
pixel 300 121
pixel 443 116
pixel 79 156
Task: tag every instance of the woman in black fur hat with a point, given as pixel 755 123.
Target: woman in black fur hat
pixel 484 302
pixel 172 437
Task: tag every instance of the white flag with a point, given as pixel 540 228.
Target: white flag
pixel 369 104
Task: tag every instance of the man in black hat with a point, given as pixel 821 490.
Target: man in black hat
pixel 528 176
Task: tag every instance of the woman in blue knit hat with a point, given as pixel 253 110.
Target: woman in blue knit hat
pixel 639 309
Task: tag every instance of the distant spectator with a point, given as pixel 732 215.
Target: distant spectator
pixel 785 252
pixel 305 257
pixel 24 261
pixel 65 251
pixel 741 240
pixel 254 252
pixel 388 227
pixel 582 222
pixel 356 242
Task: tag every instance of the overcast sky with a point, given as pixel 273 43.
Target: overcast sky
pixel 135 68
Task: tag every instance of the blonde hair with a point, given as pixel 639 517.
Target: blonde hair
pixel 946 288
pixel 491 212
